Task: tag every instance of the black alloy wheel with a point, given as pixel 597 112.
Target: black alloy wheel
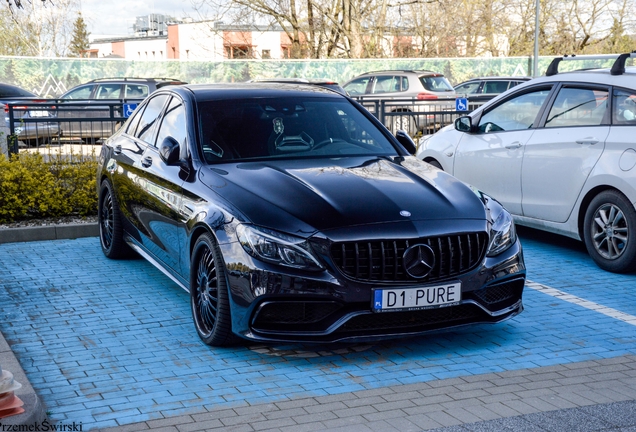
pixel 209 294
pixel 111 233
pixel 610 232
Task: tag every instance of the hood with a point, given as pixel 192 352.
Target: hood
pixel 304 196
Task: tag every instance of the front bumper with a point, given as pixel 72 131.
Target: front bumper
pixel 271 306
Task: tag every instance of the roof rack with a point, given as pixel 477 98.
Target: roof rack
pixel 618 68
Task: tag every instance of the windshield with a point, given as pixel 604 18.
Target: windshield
pixel 288 127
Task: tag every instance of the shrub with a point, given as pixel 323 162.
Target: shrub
pixel 34 187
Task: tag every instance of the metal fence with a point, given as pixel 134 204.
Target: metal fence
pixel 416 117
pixel 77 126
pixel 80 126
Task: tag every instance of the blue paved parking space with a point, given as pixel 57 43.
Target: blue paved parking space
pixel 111 342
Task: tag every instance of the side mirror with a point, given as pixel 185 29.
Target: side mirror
pixel 169 151
pixel 406 141
pixel 463 124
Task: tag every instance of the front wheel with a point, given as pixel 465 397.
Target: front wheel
pixel 209 296
pixel 610 232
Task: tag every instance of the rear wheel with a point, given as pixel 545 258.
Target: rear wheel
pixel 405 123
pixel 610 232
pixel 209 296
pixel 111 233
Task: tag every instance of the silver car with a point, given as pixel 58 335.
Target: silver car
pixel 415 98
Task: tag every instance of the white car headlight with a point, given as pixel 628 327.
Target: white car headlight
pixel 276 247
pixel 502 231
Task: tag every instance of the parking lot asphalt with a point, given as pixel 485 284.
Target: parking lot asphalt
pixel 111 345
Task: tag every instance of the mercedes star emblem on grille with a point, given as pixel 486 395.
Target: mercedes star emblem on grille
pixel 419 260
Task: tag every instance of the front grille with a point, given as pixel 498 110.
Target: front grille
pixel 413 320
pixel 381 260
pixel 295 312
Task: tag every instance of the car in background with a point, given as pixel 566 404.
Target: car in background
pixel 309 81
pixel 427 91
pixel 290 213
pixel 558 152
pixel 23 108
pixel 104 98
pixel 485 88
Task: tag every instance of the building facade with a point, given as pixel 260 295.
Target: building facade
pixel 205 40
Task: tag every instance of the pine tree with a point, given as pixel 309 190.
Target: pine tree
pixel 79 43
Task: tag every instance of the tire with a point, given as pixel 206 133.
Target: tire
pixel 111 232
pixel 609 232
pixel 405 123
pixel 209 296
pixel 435 164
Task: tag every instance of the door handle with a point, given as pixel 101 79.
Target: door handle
pixel 514 145
pixel 117 149
pixel 588 140
pixel 147 161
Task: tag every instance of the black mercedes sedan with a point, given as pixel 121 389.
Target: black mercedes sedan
pixel 291 214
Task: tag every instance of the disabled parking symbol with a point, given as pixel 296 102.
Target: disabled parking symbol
pixel 129 109
pixel 461 104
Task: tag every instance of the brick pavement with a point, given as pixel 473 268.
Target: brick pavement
pixel 111 344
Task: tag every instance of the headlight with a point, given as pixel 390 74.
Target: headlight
pixel 502 231
pixel 277 248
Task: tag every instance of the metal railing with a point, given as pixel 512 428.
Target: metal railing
pixel 416 117
pixel 83 124
pixel 33 125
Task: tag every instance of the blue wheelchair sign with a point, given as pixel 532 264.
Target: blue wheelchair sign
pixel 129 109
pixel 461 104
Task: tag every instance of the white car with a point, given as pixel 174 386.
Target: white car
pixel 559 152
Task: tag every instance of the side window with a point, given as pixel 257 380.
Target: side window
pixel 83 92
pixel 514 114
pixel 135 91
pixel 577 107
pixel 108 91
pixel 495 86
pixel 385 84
pixel 405 83
pixel 468 88
pixel 624 107
pixel 173 123
pixel 149 118
pixel 358 86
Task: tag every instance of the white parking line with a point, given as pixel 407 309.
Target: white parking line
pixel 612 313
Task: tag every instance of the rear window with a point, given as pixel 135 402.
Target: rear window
pixel 436 84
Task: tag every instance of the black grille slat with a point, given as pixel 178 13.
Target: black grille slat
pixel 381 260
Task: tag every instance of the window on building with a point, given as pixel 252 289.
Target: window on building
pixel 266 54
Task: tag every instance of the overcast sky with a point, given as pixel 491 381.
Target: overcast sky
pixel 116 17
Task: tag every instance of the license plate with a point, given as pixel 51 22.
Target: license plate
pixel 39 113
pixel 416 298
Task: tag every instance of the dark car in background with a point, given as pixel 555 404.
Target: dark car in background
pixel 330 84
pixel 291 214
pixel 485 88
pixel 103 98
pixel 28 133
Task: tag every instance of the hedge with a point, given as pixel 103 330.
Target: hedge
pixel 33 187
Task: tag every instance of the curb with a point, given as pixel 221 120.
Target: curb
pixel 51 232
pixel 34 410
